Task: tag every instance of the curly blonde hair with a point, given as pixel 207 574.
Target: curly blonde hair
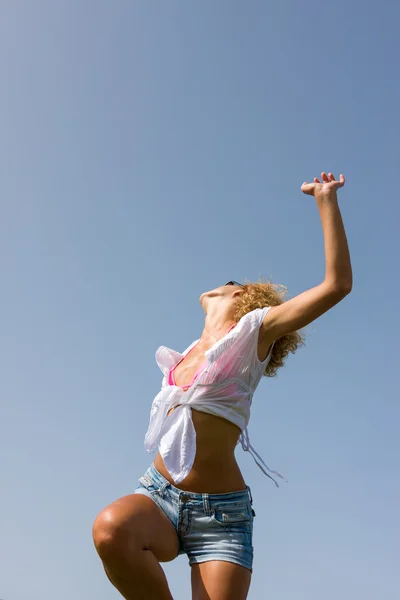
pixel 259 295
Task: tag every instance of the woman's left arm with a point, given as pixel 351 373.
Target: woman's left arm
pixel 308 306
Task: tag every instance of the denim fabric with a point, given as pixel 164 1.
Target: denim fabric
pixel 209 526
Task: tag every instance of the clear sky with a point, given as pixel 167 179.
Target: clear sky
pixel 150 151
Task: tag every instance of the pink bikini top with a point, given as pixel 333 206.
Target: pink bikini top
pixel 171 378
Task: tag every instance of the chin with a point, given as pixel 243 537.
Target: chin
pixel 211 294
pixel 203 297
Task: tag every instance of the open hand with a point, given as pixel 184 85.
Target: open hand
pixel 327 187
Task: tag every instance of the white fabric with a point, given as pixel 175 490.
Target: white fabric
pixel 224 388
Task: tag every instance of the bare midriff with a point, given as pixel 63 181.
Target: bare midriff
pixel 215 470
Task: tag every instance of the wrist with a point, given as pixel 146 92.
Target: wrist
pixel 326 197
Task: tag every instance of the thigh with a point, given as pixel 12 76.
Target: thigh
pixel 220 580
pixel 137 520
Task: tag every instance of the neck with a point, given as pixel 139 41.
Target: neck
pixel 216 325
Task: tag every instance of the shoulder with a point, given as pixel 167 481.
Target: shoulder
pixel 264 343
pixel 253 333
pixel 254 319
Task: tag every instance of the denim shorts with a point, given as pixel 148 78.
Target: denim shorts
pixel 209 526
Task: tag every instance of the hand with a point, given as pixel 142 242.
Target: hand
pixel 327 188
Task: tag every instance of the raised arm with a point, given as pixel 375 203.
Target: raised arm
pixel 308 306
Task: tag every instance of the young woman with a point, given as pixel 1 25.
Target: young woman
pixel 193 499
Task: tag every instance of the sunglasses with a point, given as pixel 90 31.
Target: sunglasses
pixel 234 283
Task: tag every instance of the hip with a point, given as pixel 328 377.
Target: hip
pixel 209 526
pixel 211 474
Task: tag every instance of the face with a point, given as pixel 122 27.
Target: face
pixel 225 293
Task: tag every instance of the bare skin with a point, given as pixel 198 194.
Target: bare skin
pixel 132 535
pixel 215 469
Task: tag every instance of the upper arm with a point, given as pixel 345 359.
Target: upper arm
pixel 300 311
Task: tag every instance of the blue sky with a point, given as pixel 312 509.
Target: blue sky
pixel 150 151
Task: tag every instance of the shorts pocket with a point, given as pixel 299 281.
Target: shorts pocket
pixel 232 514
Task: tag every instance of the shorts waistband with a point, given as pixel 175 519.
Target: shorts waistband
pixel 156 476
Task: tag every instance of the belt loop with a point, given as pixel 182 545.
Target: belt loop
pixel 146 480
pixel 161 490
pixel 206 504
pixel 250 496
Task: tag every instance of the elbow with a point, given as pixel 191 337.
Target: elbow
pixel 345 288
pixel 341 289
pixel 349 288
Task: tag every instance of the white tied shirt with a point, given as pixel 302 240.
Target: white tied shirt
pixel 224 388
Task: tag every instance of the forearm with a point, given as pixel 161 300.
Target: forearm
pixel 338 271
pixel 303 309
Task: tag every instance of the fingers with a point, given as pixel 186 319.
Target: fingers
pixel 307 188
pixel 330 178
pixel 340 182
